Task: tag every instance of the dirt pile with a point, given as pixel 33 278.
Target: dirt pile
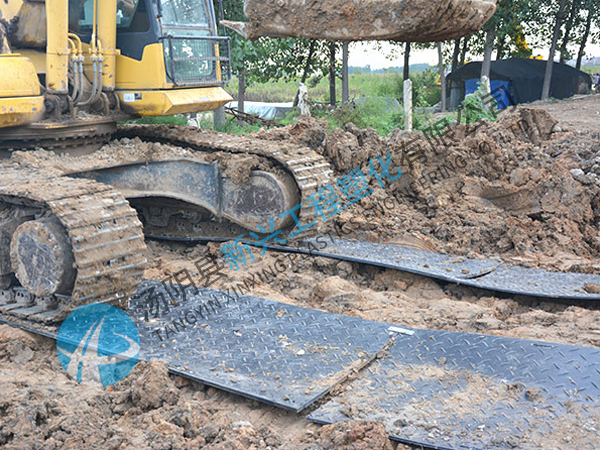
pixel 553 185
pixel 514 188
pixel 349 435
pixel 41 408
pixel 520 188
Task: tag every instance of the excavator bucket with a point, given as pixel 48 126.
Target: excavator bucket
pixel 361 20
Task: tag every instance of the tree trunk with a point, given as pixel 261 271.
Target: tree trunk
pixel 406 75
pixel 500 51
pixel 442 76
pixel 309 59
pixel 241 89
pixel 463 53
pixel 568 27
pixel 584 39
pixel 490 38
pixel 550 64
pixel 332 80
pixel 456 55
pixel 345 73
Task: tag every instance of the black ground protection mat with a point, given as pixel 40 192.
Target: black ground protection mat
pixel 276 353
pixel 486 274
pixel 456 391
pixel 437 389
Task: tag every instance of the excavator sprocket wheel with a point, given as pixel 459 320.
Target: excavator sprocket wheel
pixel 42 259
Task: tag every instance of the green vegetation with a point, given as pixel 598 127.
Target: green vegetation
pixel 474 108
pixel 427 92
pixel 160 120
pixel 375 91
pixel 232 125
pixel 591 69
pixel 373 112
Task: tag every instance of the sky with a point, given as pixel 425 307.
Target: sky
pixel 363 53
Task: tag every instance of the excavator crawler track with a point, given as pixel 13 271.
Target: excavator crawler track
pixel 309 170
pixel 104 234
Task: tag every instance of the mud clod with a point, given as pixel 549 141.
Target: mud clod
pixel 355 435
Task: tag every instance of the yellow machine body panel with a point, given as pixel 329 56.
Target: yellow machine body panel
pixel 143 88
pixel 20 99
pixel 174 101
pixel 37 57
pixel 149 73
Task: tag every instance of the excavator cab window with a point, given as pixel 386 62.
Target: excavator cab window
pixel 185 14
pixel 81 15
pixel 137 25
pixel 126 12
pixel 194 54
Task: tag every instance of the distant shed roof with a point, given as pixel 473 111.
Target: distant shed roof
pixel 527 77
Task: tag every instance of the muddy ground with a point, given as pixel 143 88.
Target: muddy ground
pixel 522 193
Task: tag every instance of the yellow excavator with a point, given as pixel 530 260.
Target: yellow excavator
pixel 71 69
pixel 136 57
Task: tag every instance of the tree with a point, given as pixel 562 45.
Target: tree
pixel 550 64
pixel 442 75
pixel 307 67
pixel 592 12
pixel 464 50
pixel 406 74
pixel 490 37
pixel 455 55
pixel 332 74
pixel 574 14
pixel 272 59
pixel 501 32
pixel 345 73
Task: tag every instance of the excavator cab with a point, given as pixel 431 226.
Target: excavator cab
pixel 166 49
pixel 138 57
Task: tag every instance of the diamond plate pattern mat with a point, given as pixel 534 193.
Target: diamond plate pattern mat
pixel 276 353
pixel 454 391
pixel 479 273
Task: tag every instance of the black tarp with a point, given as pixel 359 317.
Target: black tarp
pixel 527 78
